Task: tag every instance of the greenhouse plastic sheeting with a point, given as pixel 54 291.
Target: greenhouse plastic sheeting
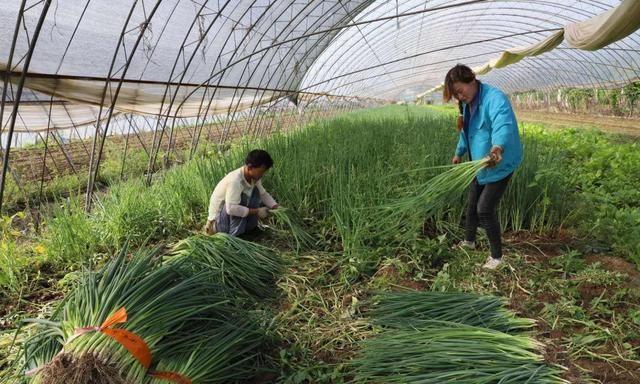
pixel 608 27
pixel 400 58
pixel 512 56
pixel 592 34
pixel 172 100
pixel 192 59
pixel 39 117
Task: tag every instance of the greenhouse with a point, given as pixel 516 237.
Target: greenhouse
pixel 320 191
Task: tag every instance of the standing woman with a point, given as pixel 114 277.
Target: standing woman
pixel 488 129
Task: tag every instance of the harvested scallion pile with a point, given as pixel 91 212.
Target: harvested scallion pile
pixel 166 309
pixel 213 352
pixel 441 337
pixel 241 266
pixel 442 352
pixel 411 309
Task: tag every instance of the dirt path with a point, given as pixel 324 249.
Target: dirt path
pixel 619 125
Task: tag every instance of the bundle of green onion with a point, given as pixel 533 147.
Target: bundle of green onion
pixel 210 352
pixel 289 219
pixel 241 266
pixel 407 214
pixel 442 352
pixel 411 309
pixel 162 303
pixel 437 337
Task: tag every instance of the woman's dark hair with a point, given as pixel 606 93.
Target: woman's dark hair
pixel 459 73
pixel 259 158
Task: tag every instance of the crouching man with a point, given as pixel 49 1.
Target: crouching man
pixel 239 199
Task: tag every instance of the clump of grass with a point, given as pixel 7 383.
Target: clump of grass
pixel 12 263
pixel 184 195
pixel 70 234
pixel 536 198
pixel 11 267
pixel 130 212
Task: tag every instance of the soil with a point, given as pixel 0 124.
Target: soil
pixel 388 272
pixel 540 247
pixel 264 378
pixel 623 373
pixel 616 264
pixel 391 274
pixel 413 284
pixel 620 372
pixel 617 125
pixel 540 250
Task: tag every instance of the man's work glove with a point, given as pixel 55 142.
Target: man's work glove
pixel 263 212
pixel 495 156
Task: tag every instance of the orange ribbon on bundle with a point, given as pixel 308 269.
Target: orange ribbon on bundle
pixel 132 342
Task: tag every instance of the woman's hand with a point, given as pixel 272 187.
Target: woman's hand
pixel 456 160
pixel 495 156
